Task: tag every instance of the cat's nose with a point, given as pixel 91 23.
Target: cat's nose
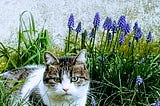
pixel 65 89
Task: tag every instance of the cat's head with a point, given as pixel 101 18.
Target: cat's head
pixel 67 75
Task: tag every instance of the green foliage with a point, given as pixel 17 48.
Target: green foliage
pixel 31 45
pixel 7 94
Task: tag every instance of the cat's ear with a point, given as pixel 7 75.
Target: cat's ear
pixel 50 58
pixel 81 57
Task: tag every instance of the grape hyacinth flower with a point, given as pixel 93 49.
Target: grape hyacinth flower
pixel 138 31
pixel 96 21
pixel 101 58
pixel 121 39
pixel 78 29
pixel 92 34
pixel 128 28
pixel 139 80
pixel 122 23
pixel 135 26
pixel 138 34
pixel 107 24
pixel 156 103
pixel 71 22
pixel 149 37
pixel 93 102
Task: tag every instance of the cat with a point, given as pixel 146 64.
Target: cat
pixel 62 81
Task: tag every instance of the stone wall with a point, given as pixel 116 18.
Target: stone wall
pixel 56 13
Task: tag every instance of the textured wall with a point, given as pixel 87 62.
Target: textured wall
pixel 56 13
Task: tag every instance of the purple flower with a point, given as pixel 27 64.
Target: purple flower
pixel 138 31
pixel 109 37
pixel 135 26
pixel 139 80
pixel 127 30
pixel 71 22
pixel 78 29
pixel 138 34
pixel 92 34
pixel 122 23
pixel 107 24
pixel 149 37
pixel 156 103
pixel 121 39
pixel 93 102
pixel 101 58
pixel 96 21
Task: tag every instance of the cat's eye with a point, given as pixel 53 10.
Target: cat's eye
pixel 74 79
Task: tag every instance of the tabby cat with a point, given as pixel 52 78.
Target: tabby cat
pixel 62 81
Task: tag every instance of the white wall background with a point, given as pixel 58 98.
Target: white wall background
pixel 56 13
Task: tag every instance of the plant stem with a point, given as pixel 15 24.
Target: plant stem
pixel 116 40
pixel 132 53
pixel 120 83
pixel 68 40
pixel 75 43
pixel 111 43
pixel 76 38
pixel 102 38
pixel 94 38
pixel 132 98
pixel 105 43
pixel 83 40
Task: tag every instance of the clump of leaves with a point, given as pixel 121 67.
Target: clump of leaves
pixel 31 44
